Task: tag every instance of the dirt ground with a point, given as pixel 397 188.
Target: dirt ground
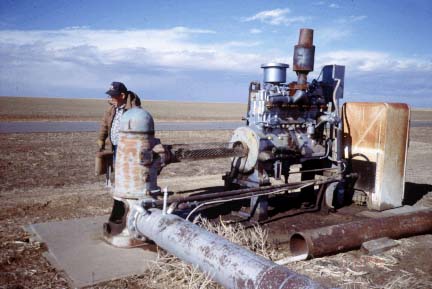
pixel 50 176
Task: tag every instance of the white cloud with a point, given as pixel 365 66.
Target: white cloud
pixel 354 18
pixel 343 29
pixel 334 5
pixel 276 17
pixel 382 76
pixel 177 62
pixel 351 19
pixel 374 61
pixel 255 31
pixel 79 61
pixel 102 39
pixel 173 48
pixel 326 35
pixel 170 48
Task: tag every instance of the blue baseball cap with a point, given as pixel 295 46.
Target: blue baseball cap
pixel 116 88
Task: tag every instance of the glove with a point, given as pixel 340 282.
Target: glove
pixel 101 145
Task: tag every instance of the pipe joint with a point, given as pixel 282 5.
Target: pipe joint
pixel 137 211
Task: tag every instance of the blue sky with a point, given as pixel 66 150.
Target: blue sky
pixel 211 50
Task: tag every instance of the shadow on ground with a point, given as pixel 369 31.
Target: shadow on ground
pixel 414 192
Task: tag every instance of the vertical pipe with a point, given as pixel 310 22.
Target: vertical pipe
pixel 340 189
pixel 302 78
pixel 165 200
pixel 306 37
pixel 303 61
pixel 228 264
pixel 304 55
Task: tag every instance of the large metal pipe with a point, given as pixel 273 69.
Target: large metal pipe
pixel 228 264
pixel 343 237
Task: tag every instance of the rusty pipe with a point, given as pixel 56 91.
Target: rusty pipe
pixel 228 264
pixel 304 55
pixel 343 237
pixel 306 37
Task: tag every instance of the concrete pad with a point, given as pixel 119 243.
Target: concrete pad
pixel 378 246
pixel 77 248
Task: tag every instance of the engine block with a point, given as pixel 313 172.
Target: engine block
pixel 288 123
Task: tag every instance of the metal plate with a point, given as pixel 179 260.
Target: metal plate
pixel 133 180
pixel 376 140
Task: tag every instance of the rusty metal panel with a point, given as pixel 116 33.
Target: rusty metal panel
pixel 376 139
pixel 132 178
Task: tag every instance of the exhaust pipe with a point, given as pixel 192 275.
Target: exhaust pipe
pixel 304 56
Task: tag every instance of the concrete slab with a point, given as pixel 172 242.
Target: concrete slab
pixel 378 246
pixel 77 248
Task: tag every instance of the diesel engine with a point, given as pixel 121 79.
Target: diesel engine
pixel 289 123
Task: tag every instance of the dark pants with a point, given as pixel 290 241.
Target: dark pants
pixel 118 210
pixel 114 148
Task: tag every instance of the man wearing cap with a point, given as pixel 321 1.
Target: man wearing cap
pixel 120 101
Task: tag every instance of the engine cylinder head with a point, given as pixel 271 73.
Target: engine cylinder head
pixel 274 73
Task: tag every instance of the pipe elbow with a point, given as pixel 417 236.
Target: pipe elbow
pixel 298 95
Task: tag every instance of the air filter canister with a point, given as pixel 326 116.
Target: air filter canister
pixel 274 72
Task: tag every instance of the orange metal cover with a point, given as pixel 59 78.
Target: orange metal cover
pixel 376 139
pixel 132 178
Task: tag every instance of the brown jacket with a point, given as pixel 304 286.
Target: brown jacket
pixel 104 139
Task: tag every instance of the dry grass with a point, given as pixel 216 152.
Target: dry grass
pixel 394 269
pixel 168 271
pixel 254 238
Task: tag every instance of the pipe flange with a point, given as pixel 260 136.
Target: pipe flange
pixel 136 212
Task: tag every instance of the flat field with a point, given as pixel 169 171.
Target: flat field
pixel 50 176
pixel 63 109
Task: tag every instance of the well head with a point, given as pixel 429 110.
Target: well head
pixel 137 120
